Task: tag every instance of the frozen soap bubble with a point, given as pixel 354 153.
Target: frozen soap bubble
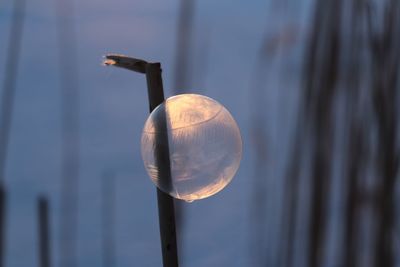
pixel 195 140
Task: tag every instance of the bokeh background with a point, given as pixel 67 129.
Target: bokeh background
pixel 313 85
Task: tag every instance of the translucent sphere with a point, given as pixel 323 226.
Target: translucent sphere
pixel 191 146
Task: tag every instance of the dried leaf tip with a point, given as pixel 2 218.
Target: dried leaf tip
pixel 108 62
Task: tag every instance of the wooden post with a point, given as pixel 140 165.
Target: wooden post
pixel 166 211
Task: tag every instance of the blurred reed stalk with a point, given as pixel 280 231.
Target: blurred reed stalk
pixel 321 80
pixel 323 86
pixel 108 197
pixel 182 82
pixel 291 197
pixel 367 58
pixel 44 232
pixel 385 58
pixel 258 213
pixel 183 48
pixel 67 53
pixel 10 80
pixel 315 130
pixel 3 219
pixel 7 108
pixel 275 42
pixel 355 129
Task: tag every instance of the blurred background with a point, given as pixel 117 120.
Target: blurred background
pixel 313 85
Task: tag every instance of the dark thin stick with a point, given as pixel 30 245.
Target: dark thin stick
pixel 70 133
pixel 108 220
pixel 166 211
pixel 44 232
pixel 7 106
